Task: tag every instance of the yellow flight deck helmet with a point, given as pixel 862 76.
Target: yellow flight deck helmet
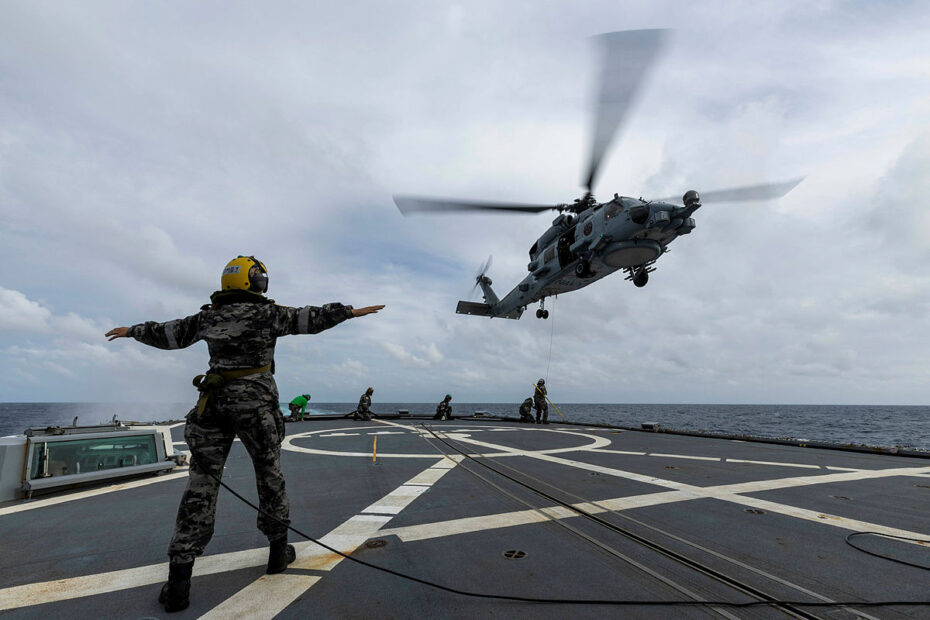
pixel 246 273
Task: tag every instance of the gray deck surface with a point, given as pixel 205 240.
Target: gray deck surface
pixel 100 552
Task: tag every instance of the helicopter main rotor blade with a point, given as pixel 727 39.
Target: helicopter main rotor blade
pixel 628 56
pixel 762 191
pixel 417 204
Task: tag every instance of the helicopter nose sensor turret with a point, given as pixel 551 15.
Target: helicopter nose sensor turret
pixel 691 198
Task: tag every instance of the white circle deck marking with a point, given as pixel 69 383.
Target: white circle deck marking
pixel 595 443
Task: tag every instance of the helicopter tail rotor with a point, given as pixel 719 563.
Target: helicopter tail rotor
pixel 480 277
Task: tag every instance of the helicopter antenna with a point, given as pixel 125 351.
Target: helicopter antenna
pixel 628 56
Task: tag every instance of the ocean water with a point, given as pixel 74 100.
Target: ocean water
pixel 868 425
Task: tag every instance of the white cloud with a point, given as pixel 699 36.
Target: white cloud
pixel 428 356
pixel 351 368
pixel 137 161
pixel 21 313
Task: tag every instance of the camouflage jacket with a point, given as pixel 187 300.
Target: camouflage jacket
pixel 539 395
pixel 240 329
pixel 526 407
pixel 364 403
pixel 444 408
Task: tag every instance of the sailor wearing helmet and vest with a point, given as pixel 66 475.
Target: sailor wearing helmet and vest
pixel 363 411
pixel 539 401
pixel 444 409
pixel 238 397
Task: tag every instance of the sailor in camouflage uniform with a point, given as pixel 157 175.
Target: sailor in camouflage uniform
pixel 539 402
pixel 363 411
pixel 238 397
pixel 526 411
pixel 444 409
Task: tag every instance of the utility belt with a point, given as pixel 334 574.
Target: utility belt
pixel 215 379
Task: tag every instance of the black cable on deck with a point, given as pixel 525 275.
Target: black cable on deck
pixel 560 601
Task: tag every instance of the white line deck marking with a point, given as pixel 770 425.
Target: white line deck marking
pixel 283 589
pixel 806 466
pixel 287 444
pixel 683 492
pixel 341 435
pixel 621 452
pixel 255 604
pixel 399 498
pixel 346 538
pixel 685 456
pixel 124 486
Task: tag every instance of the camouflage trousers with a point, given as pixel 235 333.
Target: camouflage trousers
pixel 542 411
pixel 250 412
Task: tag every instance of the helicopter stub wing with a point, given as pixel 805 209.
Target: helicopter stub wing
pixel 422 204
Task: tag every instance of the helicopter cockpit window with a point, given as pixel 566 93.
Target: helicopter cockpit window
pixel 612 210
pixel 549 255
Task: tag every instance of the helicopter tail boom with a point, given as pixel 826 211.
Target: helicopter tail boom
pixel 476 309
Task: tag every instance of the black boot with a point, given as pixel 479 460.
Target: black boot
pixel 280 555
pixel 175 595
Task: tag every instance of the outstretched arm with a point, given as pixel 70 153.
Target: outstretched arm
pixel 176 334
pixel 313 319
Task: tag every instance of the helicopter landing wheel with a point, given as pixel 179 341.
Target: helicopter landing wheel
pixel 640 278
pixel 539 314
pixel 545 314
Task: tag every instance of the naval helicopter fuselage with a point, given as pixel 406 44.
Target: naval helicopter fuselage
pixel 590 240
pixel 586 242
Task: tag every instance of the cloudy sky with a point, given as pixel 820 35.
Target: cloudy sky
pixel 143 145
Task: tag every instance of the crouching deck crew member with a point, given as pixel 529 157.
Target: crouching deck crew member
pixel 444 409
pixel 298 406
pixel 363 411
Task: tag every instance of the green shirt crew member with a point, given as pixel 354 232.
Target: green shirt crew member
pixel 526 411
pixel 238 397
pixel 298 406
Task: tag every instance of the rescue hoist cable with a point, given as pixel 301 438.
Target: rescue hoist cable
pixel 551 333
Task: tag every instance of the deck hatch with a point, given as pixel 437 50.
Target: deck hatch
pixel 74 457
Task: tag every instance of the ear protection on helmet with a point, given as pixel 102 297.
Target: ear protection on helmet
pixel 246 273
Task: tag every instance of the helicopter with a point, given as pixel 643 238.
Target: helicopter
pixel 589 240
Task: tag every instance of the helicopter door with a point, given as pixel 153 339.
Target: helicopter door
pixel 565 242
